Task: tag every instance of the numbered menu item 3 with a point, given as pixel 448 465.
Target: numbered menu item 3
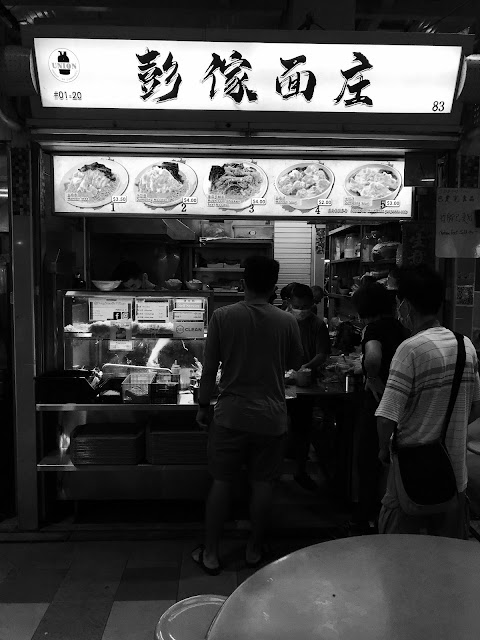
pixel 302 184
pixel 234 184
pixel 95 184
pixel 165 184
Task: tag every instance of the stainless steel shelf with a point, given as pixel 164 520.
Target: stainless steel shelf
pixel 345 260
pixel 57 461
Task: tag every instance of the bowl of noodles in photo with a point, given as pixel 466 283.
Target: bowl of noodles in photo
pixel 304 183
pixel 92 185
pixel 375 182
pixel 234 184
pixel 165 184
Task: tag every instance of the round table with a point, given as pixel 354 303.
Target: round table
pixel 395 587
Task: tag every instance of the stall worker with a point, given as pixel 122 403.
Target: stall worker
pixel 285 294
pixel 381 335
pixel 316 348
pixel 133 277
pixel 318 296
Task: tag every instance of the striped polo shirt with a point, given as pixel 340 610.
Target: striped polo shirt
pixel 418 391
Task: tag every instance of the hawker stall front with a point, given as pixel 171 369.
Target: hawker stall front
pixel 159 163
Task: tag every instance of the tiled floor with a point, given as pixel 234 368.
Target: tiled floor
pixel 107 590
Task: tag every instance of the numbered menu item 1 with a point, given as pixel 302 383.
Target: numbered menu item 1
pixel 95 184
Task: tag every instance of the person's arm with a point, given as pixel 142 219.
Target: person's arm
pixel 372 363
pixel 394 400
pixel 475 408
pixel 295 350
pixel 322 347
pixel 209 372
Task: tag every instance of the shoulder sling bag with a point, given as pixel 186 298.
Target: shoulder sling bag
pixel 423 473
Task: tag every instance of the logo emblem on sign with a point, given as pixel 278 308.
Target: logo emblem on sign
pixel 64 65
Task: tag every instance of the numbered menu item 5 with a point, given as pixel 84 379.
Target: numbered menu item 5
pixel 374 181
pixel 95 184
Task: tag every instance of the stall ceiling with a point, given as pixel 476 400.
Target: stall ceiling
pixel 429 16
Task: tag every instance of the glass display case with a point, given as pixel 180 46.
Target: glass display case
pixel 120 329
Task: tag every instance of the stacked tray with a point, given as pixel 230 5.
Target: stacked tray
pixel 107 444
pixel 175 446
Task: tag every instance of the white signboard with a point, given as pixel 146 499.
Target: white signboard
pixel 151 310
pixel 457 236
pixel 188 329
pixel 103 309
pixel 246 76
pixel 188 315
pixel 206 187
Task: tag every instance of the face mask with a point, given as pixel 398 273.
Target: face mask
pixel 406 320
pixel 300 314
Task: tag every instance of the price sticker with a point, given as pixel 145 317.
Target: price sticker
pixel 119 199
pixel 190 200
pixel 392 203
pixel 324 203
pixel 259 201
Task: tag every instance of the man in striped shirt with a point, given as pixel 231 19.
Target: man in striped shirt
pixel 416 398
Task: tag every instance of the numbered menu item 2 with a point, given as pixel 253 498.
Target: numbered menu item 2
pixel 303 184
pixel 234 184
pixel 373 183
pixel 94 185
pixel 165 184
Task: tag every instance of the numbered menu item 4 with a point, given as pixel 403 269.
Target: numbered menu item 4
pixel 165 184
pixel 94 184
pixel 234 184
pixel 374 182
pixel 303 184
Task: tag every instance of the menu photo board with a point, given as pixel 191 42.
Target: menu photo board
pixel 199 188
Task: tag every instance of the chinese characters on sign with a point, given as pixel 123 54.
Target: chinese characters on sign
pixel 234 75
pixel 152 76
pixel 457 235
pixel 291 84
pixel 356 72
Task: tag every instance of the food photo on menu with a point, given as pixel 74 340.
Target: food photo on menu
pixel 234 184
pixel 92 185
pixel 303 183
pixel 165 183
pixel 376 181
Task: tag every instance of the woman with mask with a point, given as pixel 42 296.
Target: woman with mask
pixel 316 348
pixel 381 336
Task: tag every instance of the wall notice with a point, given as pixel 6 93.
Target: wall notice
pixel 457 236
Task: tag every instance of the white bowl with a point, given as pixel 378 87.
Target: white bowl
pixel 107 285
pixel 194 286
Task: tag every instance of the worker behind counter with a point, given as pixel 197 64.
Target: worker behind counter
pixel 133 277
pixel 316 348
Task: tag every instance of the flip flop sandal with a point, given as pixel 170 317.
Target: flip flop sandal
pixel 199 561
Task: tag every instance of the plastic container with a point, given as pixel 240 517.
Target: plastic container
pixel 350 246
pixel 304 377
pixel 136 387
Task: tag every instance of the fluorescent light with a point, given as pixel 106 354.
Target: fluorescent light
pixel 428 180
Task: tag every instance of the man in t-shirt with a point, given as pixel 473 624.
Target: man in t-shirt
pixel 416 398
pixel 255 343
pixel 316 348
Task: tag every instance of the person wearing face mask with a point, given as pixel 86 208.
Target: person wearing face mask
pixel 416 399
pixel 316 348
pixel 381 335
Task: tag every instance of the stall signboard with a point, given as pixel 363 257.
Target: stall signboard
pixel 104 309
pixel 151 309
pixel 457 235
pixel 247 76
pixel 200 188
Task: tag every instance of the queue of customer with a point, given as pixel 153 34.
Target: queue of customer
pixel 408 381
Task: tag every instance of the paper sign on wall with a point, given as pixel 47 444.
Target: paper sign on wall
pixel 103 309
pixel 456 234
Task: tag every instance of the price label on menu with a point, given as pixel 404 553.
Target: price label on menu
pixel 259 201
pixel 392 203
pixel 190 200
pixel 324 203
pixel 151 309
pixel 103 309
pixel 119 199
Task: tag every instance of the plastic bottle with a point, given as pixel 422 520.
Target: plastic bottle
pixel 175 369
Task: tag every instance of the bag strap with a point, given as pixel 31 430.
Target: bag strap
pixel 457 379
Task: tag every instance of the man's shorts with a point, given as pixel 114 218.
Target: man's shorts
pixel 230 449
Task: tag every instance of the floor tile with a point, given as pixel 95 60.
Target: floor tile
pixel 149 583
pixel 156 553
pixel 18 621
pixel 84 620
pixel 31 585
pixel 135 620
pixel 193 581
